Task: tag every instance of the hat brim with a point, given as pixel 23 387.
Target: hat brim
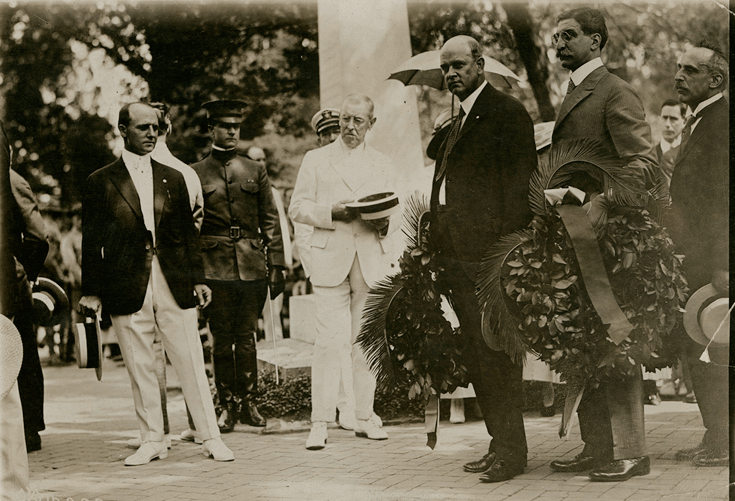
pixel 57 294
pixel 691 317
pixel 376 206
pixel 88 346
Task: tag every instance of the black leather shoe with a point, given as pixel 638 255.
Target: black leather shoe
pixel 687 454
pixel 500 471
pixel 480 466
pixel 227 419
pixel 621 469
pixel 712 458
pixel 580 462
pixel 249 415
pixel 33 442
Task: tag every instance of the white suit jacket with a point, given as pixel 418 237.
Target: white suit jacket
pixel 324 179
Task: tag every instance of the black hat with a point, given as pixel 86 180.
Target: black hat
pixel 324 119
pixel 49 302
pixel 225 110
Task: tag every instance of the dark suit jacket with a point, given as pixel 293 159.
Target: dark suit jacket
pixel 486 178
pixel 244 195
pixel 698 221
pixel 117 249
pixel 606 108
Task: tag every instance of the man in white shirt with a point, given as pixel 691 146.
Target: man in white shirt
pixel 672 120
pixel 348 255
pixel 141 261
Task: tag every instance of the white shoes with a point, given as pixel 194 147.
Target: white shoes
pixel 317 436
pixel 189 435
pixel 146 453
pixel 217 450
pixel 367 428
pixel 376 419
pixel 456 411
pixel 134 443
pixel 347 420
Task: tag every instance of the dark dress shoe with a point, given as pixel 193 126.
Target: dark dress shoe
pixel 687 454
pixel 227 419
pixel 621 469
pixel 580 462
pixel 712 458
pixel 500 471
pixel 250 415
pixel 33 442
pixel 480 466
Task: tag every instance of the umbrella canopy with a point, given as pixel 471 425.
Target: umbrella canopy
pixel 423 69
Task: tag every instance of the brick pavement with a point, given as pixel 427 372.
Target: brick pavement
pixel 89 421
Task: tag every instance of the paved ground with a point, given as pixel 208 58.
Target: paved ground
pixel 89 421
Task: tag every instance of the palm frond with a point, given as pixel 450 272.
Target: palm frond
pixel 373 337
pixel 417 204
pixel 497 320
pixel 570 158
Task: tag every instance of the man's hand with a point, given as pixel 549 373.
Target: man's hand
pixel 721 280
pixel 89 306
pixel 276 280
pixel 203 294
pixel 380 225
pixel 340 212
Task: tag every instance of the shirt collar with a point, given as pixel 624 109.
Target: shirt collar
pixel 469 101
pixel 346 150
pixel 214 147
pixel 706 103
pixel 584 71
pixel 666 146
pixel 136 161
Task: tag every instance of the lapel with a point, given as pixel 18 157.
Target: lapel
pixel 581 92
pixel 160 190
pixel 478 111
pixel 120 177
pixel 353 176
pixel 701 130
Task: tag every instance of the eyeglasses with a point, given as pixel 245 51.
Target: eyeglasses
pixel 566 35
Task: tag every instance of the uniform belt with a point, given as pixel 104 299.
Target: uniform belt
pixel 225 232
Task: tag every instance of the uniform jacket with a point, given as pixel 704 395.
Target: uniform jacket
pixel 486 178
pixel 325 179
pixel 117 249
pixel 606 108
pixel 237 192
pixel 699 193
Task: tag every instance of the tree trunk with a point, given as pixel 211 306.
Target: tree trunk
pixel 532 54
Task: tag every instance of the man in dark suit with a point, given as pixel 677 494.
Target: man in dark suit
pixel 699 228
pixel 242 250
pixel 480 192
pixel 601 106
pixel 672 118
pixel 141 263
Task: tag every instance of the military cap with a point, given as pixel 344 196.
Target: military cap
pixel 225 110
pixel 324 119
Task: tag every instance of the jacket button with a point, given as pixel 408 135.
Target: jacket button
pixel 230 181
pixel 148 247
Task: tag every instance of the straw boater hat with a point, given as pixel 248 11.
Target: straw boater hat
pixel 88 345
pixel 11 355
pixel 324 119
pixel 376 206
pixel 49 302
pixel 705 311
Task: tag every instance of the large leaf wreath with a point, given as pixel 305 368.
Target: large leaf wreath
pixel 532 292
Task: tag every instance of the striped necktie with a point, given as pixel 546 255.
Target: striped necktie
pixel 451 141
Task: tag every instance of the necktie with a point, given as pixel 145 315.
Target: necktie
pixel 686 132
pixel 570 87
pixel 451 141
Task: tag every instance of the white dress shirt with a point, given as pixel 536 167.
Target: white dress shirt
pixel 584 71
pixel 702 106
pixel 141 172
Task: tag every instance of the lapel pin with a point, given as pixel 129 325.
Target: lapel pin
pixel 164 180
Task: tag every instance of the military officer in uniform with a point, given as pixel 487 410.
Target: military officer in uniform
pixel 243 257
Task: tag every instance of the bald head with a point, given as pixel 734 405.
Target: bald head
pixel 462 65
pixel 702 73
pixel 256 153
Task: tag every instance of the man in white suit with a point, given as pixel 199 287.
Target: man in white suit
pixel 348 255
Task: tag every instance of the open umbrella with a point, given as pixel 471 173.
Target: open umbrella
pixel 423 69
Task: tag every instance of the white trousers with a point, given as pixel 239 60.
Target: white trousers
pixel 338 319
pixel 13 457
pixel 178 331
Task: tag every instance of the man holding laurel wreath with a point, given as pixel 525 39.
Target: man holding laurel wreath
pixel 349 254
pixel 479 193
pixel 601 106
